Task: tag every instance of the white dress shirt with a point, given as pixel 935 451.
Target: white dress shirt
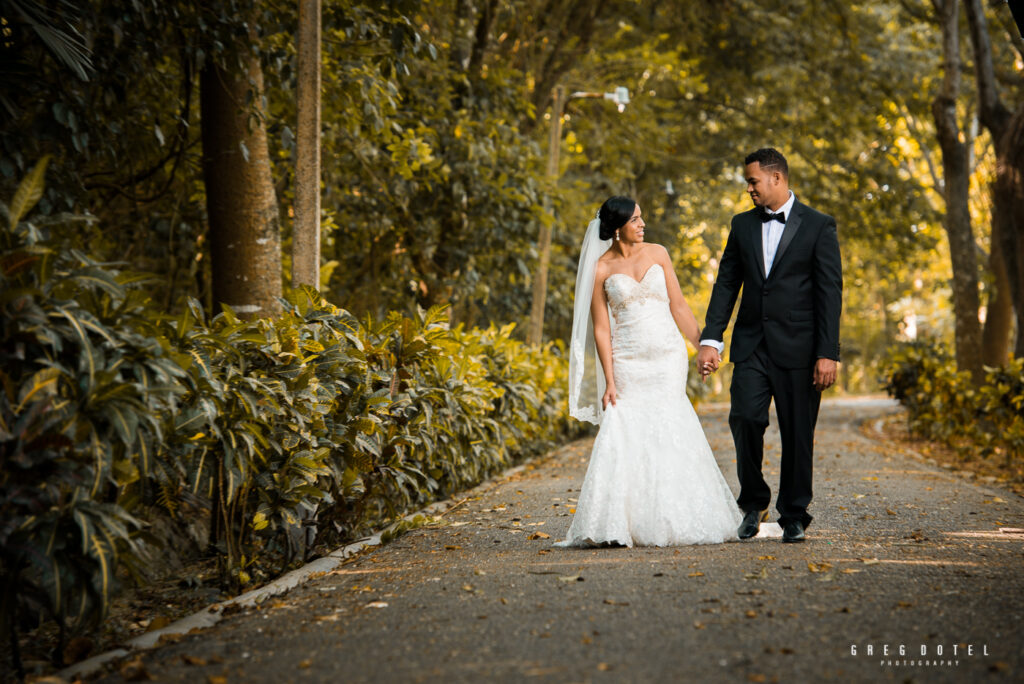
pixel 771 234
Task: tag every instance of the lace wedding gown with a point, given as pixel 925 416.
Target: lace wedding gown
pixel 652 479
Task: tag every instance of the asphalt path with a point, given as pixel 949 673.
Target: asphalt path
pixel 901 555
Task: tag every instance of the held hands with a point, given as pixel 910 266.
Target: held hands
pixel 824 374
pixel 708 361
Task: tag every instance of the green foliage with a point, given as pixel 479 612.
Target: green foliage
pixel 83 389
pixel 943 404
pixel 280 435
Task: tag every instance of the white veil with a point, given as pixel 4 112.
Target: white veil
pixel 586 377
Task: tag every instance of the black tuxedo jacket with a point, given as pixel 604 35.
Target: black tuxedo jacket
pixel 795 308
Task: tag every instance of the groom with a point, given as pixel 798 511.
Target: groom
pixel 785 344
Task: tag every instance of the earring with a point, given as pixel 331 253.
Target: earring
pixel 616 236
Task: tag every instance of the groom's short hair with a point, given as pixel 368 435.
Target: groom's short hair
pixel 770 159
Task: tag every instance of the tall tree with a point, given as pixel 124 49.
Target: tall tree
pixel 245 239
pixel 956 171
pixel 306 232
pixel 1007 242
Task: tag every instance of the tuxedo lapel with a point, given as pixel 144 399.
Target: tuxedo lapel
pixel 757 243
pixel 788 233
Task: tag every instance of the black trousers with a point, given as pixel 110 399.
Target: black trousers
pixel 755 382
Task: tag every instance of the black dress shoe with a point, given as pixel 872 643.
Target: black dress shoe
pixel 750 525
pixel 793 532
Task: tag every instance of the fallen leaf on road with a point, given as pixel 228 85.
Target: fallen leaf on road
pixel 859 496
pixel 850 571
pixel 871 478
pixel 452 547
pixel 571 578
pixel 818 567
pixel 763 574
pixel 766 558
pixel 890 511
pixel 698 625
pixel 613 602
pixel 216 679
pixel 305 664
pixel 696 574
pixel 751 613
pixel 193 660
pixel 377 604
pixel 539 535
pixel 604 667
pixel 158 623
pixel 467 587
pixel 904 604
pixel 478 571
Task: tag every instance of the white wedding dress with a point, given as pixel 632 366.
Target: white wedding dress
pixel 652 479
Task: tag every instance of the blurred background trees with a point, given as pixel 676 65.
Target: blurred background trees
pixel 173 124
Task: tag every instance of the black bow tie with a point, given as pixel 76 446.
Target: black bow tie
pixel 767 216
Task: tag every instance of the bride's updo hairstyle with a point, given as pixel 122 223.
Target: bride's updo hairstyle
pixel 613 214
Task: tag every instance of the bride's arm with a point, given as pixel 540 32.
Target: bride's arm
pixel 681 312
pixel 603 333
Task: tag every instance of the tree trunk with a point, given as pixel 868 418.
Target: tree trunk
pixel 956 170
pixel 995 336
pixel 245 241
pixel 1005 216
pixel 1010 190
pixel 306 228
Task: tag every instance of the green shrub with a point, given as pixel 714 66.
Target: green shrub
pixel 273 437
pixel 943 405
pixel 80 414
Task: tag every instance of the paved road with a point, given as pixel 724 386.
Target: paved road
pixel 901 554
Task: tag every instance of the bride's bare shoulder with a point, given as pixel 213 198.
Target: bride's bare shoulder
pixel 655 249
pixel 604 263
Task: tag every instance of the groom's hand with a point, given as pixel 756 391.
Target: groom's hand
pixel 824 374
pixel 707 361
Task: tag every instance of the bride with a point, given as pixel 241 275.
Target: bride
pixel 652 479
